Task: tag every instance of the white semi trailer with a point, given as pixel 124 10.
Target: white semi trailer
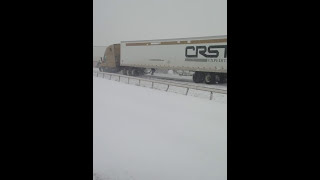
pixel 206 56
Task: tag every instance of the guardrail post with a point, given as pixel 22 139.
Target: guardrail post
pixel 187 91
pixel 167 88
pixel 211 95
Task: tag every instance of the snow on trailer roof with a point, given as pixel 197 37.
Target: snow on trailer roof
pixel 179 39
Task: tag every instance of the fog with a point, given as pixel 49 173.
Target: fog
pixel 126 20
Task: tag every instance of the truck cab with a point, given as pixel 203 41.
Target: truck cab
pixel 111 59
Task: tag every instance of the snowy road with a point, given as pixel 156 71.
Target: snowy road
pixel 146 134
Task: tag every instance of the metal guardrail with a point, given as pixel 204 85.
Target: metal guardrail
pixel 176 84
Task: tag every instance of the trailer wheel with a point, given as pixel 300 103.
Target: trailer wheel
pixel 195 78
pixel 217 78
pixel 210 78
pixel 198 77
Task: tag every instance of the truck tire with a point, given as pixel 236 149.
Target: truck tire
pixel 209 78
pixel 198 77
pixel 218 78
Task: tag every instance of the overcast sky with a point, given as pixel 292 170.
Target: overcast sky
pixel 126 20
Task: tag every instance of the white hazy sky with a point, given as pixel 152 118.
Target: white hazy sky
pixel 126 20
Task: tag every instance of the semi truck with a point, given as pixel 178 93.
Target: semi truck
pixel 205 56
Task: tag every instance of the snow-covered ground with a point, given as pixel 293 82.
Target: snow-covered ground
pixel 145 134
pixel 176 77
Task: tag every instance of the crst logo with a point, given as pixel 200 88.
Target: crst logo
pixel 192 51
